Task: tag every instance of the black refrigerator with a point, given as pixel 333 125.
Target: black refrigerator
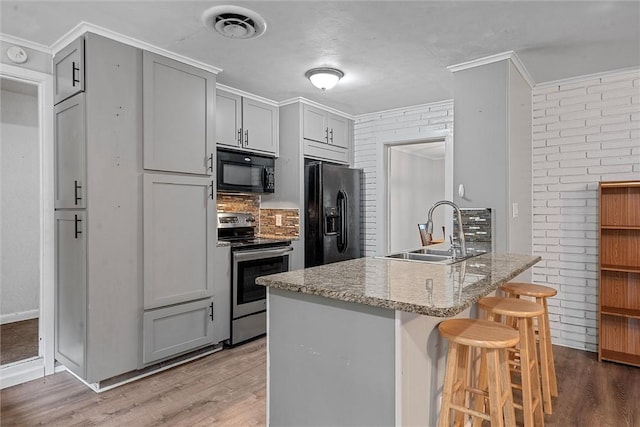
pixel 332 213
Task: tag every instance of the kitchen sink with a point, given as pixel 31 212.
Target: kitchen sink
pixel 428 255
pixel 411 256
pixel 429 251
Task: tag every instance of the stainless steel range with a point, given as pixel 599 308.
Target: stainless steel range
pixel 251 257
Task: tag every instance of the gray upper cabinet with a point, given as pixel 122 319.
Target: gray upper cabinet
pixel 314 125
pixel 228 119
pixel 70 153
pixel 179 116
pixel 179 239
pixel 71 289
pixel 68 71
pixel 260 126
pixel 246 124
pixel 338 130
pixel 326 136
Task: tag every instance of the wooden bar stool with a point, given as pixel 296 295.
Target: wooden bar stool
pixel 494 339
pixel 547 364
pixel 524 312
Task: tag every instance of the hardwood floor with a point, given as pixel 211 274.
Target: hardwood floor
pixel 225 388
pixel 18 341
pixel 228 388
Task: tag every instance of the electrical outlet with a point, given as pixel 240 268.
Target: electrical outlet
pixel 515 210
pixel 278 220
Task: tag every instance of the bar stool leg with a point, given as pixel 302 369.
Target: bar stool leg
pixel 505 386
pixel 482 384
pixel 495 389
pixel 545 363
pixel 447 389
pixel 529 373
pixel 550 361
pixel 460 385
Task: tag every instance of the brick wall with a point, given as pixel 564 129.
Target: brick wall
pixel 584 131
pixel 370 130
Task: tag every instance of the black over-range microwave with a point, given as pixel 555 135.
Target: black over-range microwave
pixel 245 173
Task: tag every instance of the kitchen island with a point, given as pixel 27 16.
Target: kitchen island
pixel 356 342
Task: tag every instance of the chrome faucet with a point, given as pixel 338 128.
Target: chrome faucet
pixel 463 246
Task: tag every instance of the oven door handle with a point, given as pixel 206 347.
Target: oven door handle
pixel 262 253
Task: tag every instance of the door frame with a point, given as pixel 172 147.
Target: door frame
pixel 383 167
pixel 29 369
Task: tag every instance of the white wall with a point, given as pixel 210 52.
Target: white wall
pixel 20 206
pixel 415 184
pixel 585 130
pixel 373 130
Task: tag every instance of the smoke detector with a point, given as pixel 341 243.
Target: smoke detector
pixel 234 22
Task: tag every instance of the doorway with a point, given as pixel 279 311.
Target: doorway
pixel 26 225
pixel 416 182
pixel 414 174
pixel 19 220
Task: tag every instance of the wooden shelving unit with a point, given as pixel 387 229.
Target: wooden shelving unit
pixel 619 335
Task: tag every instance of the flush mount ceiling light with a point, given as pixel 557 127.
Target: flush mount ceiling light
pixel 234 22
pixel 324 78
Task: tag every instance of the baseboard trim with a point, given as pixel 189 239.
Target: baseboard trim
pixel 21 372
pixel 19 316
pixel 98 388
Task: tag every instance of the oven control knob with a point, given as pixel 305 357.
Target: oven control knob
pixel 251 219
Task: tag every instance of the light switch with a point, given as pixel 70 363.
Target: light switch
pixel 278 220
pixel 515 210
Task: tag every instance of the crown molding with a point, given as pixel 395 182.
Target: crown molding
pixel 315 104
pixel 405 109
pixel 496 58
pixel 577 79
pixel 25 43
pixel 246 94
pixel 84 27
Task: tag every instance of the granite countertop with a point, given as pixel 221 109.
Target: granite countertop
pixel 415 287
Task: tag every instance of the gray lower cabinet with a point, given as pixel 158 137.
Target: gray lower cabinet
pixel 68 71
pixel 179 116
pixel 71 290
pixel 70 153
pixel 179 239
pixel 222 295
pixel 177 329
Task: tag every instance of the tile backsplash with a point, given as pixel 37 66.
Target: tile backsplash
pixel 265 218
pixel 248 203
pixel 477 224
pixel 289 227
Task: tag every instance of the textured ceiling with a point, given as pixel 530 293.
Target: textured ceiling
pixel 394 53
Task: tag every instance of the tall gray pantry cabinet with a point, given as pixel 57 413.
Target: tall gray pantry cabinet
pixel 114 209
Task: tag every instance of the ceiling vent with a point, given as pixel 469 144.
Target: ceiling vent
pixel 234 22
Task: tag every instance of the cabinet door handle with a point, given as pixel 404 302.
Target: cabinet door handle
pixel 210 162
pixel 240 136
pixel 331 135
pixel 73 74
pixel 246 137
pixel 211 193
pixel 77 231
pixel 76 187
pixel 326 134
pixel 211 315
